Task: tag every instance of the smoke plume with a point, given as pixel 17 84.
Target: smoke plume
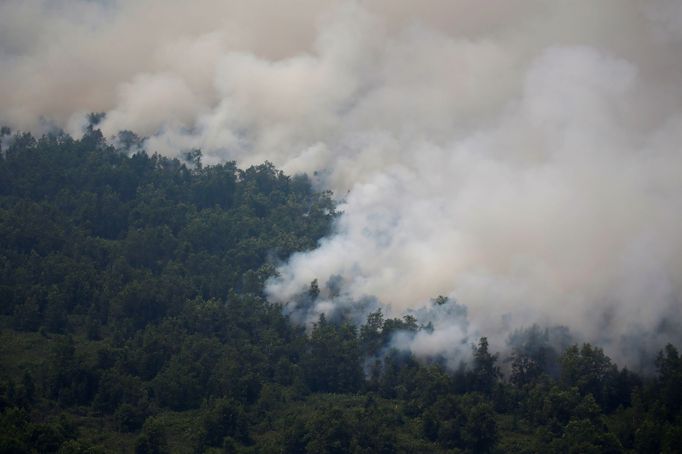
pixel 521 157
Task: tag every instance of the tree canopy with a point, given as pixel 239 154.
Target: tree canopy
pixel 133 318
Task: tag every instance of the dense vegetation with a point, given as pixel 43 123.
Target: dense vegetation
pixel 133 319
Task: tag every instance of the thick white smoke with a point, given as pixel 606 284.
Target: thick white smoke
pixel 522 157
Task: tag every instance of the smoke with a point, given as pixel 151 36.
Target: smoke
pixel 522 157
pixel 444 333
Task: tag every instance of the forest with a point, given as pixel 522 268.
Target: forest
pixel 133 319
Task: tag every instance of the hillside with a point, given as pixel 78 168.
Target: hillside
pixel 134 320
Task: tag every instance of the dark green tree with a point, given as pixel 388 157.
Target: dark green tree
pixel 484 373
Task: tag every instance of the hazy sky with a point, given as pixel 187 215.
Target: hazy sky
pixel 521 157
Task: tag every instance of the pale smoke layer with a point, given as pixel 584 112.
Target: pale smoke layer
pixel 521 157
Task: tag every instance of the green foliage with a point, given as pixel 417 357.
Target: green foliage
pixel 333 362
pixel 485 373
pixel 225 418
pixel 153 439
pixel 133 319
pixel 669 365
pixel 591 371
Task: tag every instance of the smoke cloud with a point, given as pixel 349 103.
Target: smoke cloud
pixel 521 157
